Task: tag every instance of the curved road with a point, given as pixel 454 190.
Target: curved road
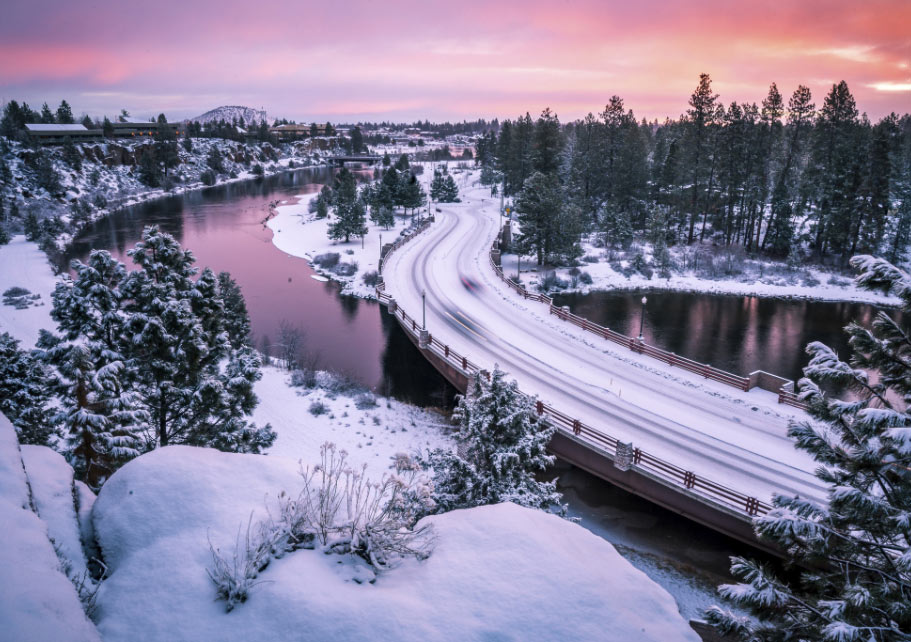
pixel 733 438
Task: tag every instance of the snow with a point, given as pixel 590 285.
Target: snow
pixel 23 264
pixel 738 439
pixel 40 127
pixel 51 480
pixel 371 435
pixel 498 572
pixel 299 233
pixel 37 602
pixel 604 277
pixel 13 483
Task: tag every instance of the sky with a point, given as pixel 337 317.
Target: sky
pixel 359 60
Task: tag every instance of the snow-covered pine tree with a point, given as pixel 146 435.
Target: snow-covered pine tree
pixel 856 548
pixel 168 330
pixel 504 443
pixel 438 184
pixel 236 319
pixel 99 416
pixel 412 194
pixel 24 393
pixel 349 209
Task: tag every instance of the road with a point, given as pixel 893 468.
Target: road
pixel 730 437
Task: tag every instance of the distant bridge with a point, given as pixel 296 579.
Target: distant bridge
pixel 354 158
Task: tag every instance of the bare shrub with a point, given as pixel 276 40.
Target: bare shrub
pixel 318 408
pixel 371 278
pixel 235 577
pixel 340 510
pixel 327 261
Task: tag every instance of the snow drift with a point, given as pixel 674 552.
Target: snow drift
pixel 498 572
pixel 37 601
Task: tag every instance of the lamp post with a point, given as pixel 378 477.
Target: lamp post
pixel 424 309
pixel 642 318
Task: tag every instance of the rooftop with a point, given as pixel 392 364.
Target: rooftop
pixel 53 127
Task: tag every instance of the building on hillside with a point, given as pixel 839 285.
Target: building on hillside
pixel 53 134
pixel 139 129
pixel 296 132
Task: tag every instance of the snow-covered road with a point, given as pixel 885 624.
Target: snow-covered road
pixel 733 438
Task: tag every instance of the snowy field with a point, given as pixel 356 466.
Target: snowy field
pixel 370 429
pixel 23 265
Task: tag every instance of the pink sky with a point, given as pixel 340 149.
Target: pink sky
pixel 360 60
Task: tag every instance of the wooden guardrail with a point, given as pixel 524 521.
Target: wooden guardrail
pixel 641 461
pixel 634 344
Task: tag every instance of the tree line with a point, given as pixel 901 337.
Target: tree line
pixel 772 177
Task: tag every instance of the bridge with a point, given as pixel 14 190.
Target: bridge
pixel 368 159
pixel 706 444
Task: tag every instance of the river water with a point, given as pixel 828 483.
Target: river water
pixel 223 226
pixel 739 334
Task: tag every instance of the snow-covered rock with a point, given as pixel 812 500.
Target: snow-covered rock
pixel 37 601
pixel 50 478
pixel 498 572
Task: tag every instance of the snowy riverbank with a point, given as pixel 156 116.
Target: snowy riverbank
pixel 107 177
pixel 298 232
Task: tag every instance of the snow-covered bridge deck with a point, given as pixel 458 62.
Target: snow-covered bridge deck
pixel 697 444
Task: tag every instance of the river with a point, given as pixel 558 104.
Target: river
pixel 223 226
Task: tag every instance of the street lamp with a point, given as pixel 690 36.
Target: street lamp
pixel 642 318
pixel 424 309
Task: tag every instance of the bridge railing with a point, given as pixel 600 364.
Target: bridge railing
pixel 634 344
pixel 641 461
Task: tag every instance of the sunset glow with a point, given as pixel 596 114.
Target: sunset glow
pixel 407 60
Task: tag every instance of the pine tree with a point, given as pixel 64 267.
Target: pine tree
pixel 701 116
pixel 504 445
pixel 149 168
pixel 412 194
pixel 107 128
pixel 99 418
pixel 4 235
pixel 65 114
pixel 538 207
pixel 214 160
pixel 855 548
pixel 71 155
pixel 349 209
pixel 390 193
pixel 25 393
pixel 32 228
pixel 168 330
pixel 320 205
pixel 47 116
pixel 236 319
pixel 357 140
pixel 46 175
pixel 166 151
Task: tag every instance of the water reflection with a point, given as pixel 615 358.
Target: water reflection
pixel 736 333
pixel 223 228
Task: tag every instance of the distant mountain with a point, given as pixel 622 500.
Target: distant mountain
pixel 229 112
